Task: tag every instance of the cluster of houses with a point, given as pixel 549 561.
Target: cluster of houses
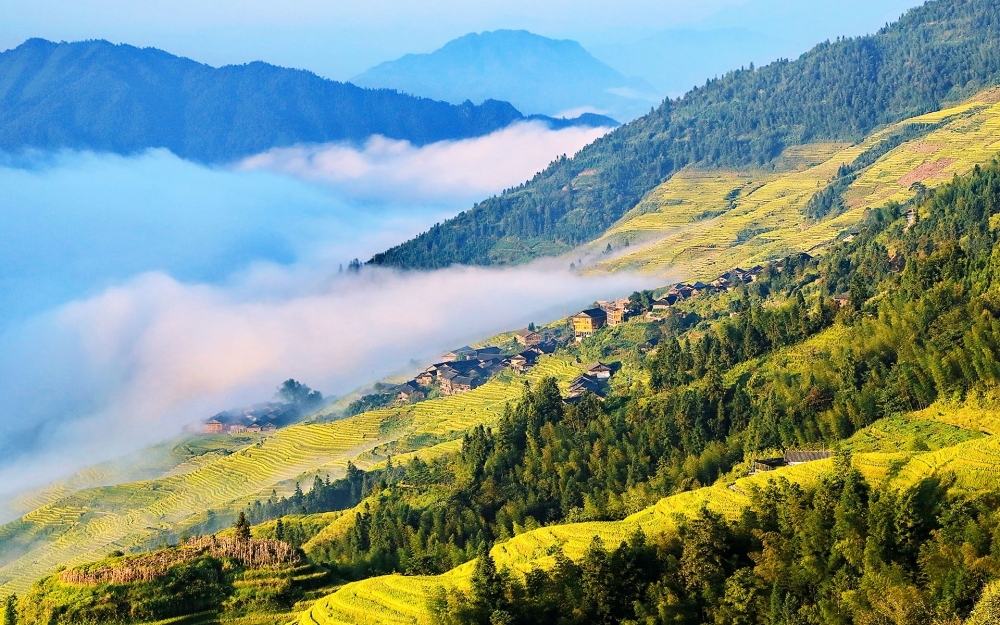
pixel 259 418
pixel 726 282
pixel 468 368
pixel 608 313
pixel 589 382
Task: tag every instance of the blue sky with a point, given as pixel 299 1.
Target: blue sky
pixel 340 39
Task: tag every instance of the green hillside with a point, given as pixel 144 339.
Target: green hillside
pixel 90 523
pixel 702 222
pixel 898 526
pixel 905 373
pixel 842 91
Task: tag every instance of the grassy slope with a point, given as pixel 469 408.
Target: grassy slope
pixel 768 211
pixel 885 450
pixel 86 525
pixel 398 599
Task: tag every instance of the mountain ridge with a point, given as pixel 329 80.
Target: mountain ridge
pixel 942 51
pixel 532 72
pixel 119 98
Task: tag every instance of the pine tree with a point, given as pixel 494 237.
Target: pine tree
pixel 279 530
pixel 487 583
pixel 10 611
pixel 243 528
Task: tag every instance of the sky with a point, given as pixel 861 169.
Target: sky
pixel 667 42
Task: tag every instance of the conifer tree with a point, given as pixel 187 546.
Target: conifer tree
pixel 279 530
pixel 243 528
pixel 10 610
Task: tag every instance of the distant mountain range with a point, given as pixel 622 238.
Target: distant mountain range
pixel 532 72
pixel 95 95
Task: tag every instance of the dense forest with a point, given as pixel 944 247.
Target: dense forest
pixel 921 321
pixel 840 90
pixel 94 95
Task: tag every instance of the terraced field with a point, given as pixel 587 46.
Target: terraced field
pixel 972 457
pixel 702 223
pixel 86 525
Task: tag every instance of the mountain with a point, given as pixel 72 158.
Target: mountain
pixel 840 91
pixel 532 72
pixel 95 95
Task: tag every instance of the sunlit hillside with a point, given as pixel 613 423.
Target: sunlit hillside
pixel 403 599
pixel 701 223
pixel 87 525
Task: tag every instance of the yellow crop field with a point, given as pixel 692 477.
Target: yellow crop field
pixel 702 223
pixel 402 600
pixel 86 525
pixel 969 417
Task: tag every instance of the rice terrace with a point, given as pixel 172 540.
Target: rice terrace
pixel 323 314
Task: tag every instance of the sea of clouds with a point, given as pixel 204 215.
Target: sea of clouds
pixel 140 295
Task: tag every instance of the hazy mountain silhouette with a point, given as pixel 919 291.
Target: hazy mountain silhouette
pixel 532 72
pixel 99 96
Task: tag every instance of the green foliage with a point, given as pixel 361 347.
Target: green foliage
pixel 242 528
pixel 837 91
pixel 10 610
pixel 374 401
pixel 326 496
pixel 839 552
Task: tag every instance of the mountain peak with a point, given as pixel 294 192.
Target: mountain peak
pixel 535 73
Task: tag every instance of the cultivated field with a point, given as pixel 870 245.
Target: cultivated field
pixel 700 224
pixel 972 457
pixel 86 525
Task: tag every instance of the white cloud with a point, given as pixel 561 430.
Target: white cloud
pixel 100 377
pixel 470 169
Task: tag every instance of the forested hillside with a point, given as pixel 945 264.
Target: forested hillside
pixel 900 527
pixel 94 95
pixel 839 91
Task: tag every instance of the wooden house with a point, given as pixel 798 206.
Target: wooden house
pixel 588 322
pixel 464 383
pixel 793 458
pixel 664 303
pixel 600 371
pixel 238 429
pixel 425 379
pixel 528 338
pixel 409 392
pixel 268 427
pixel 214 426
pixel 462 353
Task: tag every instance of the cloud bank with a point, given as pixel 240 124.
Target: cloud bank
pixel 137 362
pixel 391 170
pixel 139 295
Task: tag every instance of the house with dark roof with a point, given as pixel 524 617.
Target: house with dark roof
pixel 665 302
pixel 793 458
pixel 462 353
pixel 410 391
pixel 464 383
pixel 600 371
pixel 527 337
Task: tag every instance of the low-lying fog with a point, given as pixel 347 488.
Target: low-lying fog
pixel 139 295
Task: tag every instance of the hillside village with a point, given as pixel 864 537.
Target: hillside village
pixel 467 368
